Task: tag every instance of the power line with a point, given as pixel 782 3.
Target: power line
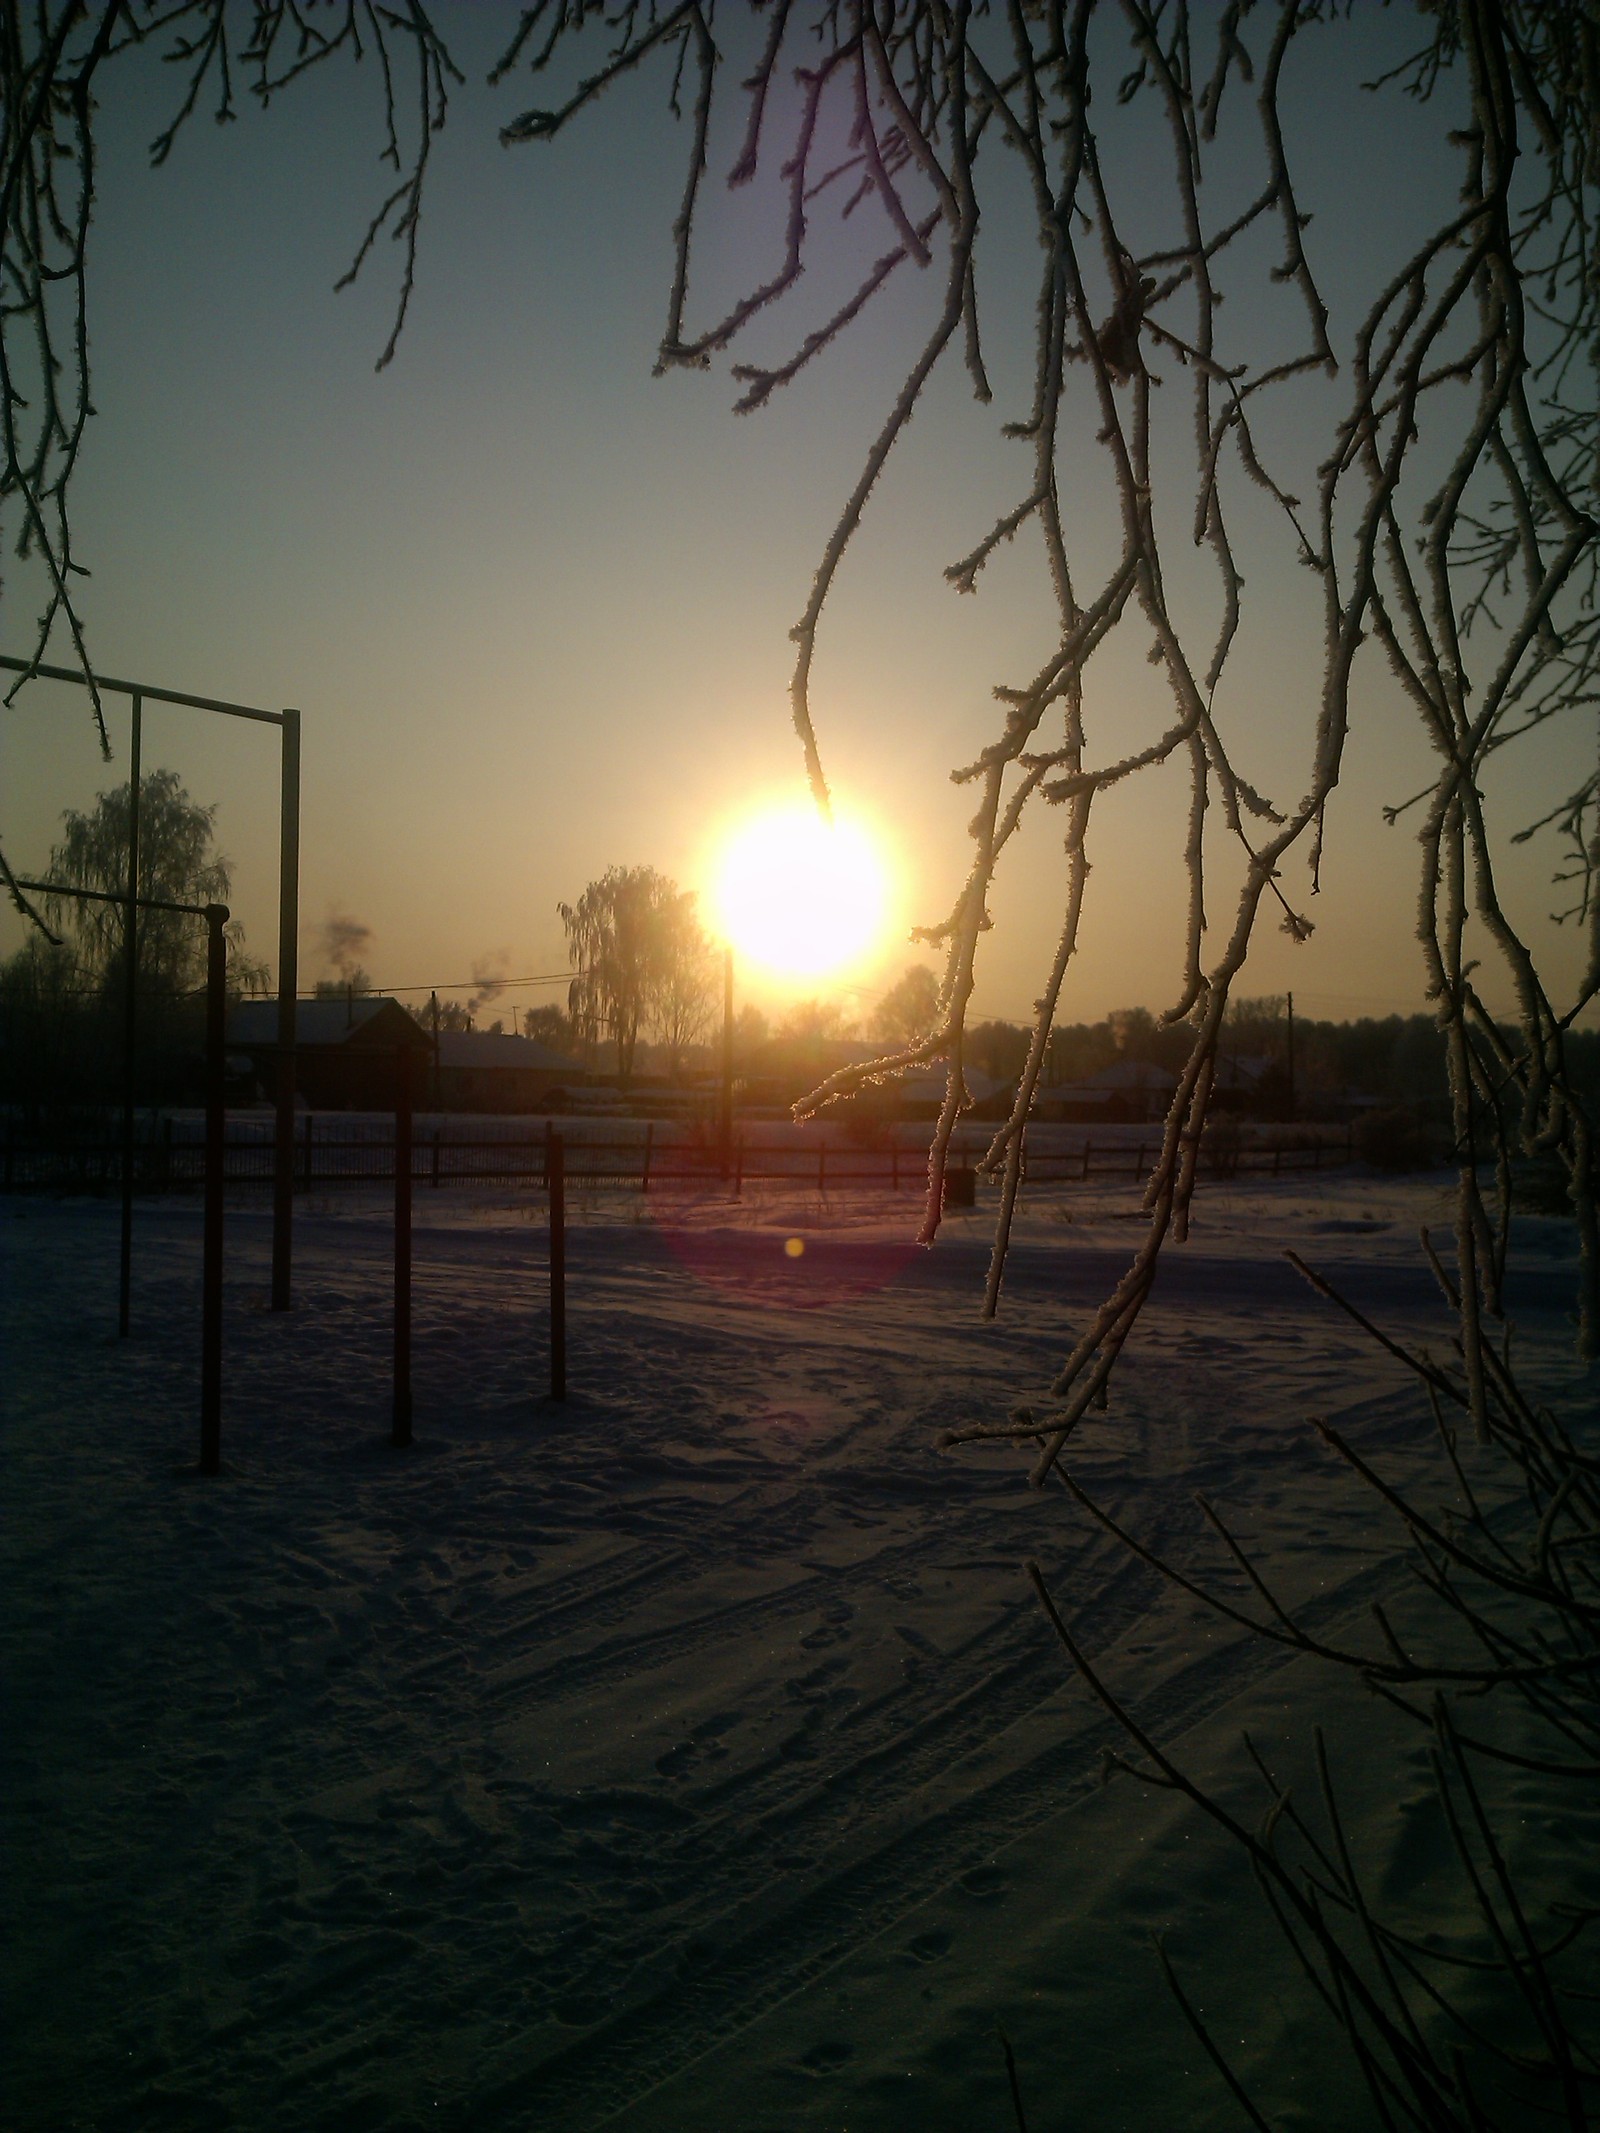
pixel 490 985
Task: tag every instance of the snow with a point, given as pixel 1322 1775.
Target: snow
pixel 695 1752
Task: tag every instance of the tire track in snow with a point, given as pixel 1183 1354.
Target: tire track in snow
pixel 718 1990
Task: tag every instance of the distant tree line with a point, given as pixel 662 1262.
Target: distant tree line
pixel 643 997
pixel 1397 1059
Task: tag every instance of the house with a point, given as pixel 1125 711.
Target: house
pixel 1245 1082
pixel 344 1053
pixel 787 1069
pixel 486 1070
pixel 1128 1092
pixel 918 1093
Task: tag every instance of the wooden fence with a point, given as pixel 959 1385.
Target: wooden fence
pixel 174 1161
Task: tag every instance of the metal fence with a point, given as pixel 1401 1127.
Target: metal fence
pixel 172 1159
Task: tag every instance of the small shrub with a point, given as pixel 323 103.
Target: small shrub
pixel 1542 1188
pixel 1396 1138
pixel 1221 1144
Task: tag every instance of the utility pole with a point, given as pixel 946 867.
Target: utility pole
pixel 725 1135
pixel 1291 1059
pixel 130 1018
pixel 288 987
pixel 216 916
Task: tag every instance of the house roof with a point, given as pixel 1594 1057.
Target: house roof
pixel 924 1084
pixel 367 1019
pixel 1242 1071
pixel 1130 1074
pixel 496 1050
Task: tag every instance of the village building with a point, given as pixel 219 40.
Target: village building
pixel 918 1094
pixel 344 1053
pixel 487 1070
pixel 1127 1092
pixel 787 1069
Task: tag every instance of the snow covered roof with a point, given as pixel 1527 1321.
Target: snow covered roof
pixel 368 1018
pixel 927 1083
pixel 481 1048
pixel 1130 1074
pixel 1242 1071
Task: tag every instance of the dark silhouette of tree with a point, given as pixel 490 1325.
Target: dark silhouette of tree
pixel 908 1009
pixel 814 1021
pixel 550 1026
pixel 998 1049
pixel 178 863
pixel 61 998
pixel 641 960
pixel 683 994
pixel 752 1032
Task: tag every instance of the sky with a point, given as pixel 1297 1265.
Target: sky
pixel 533 602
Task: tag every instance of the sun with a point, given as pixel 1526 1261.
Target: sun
pixel 801 897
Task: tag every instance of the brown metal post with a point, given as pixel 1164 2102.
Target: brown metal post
pixel 211 1244
pixel 288 982
pixel 130 1025
pixel 400 1433
pixel 555 1170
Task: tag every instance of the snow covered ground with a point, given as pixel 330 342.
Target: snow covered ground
pixel 694 1753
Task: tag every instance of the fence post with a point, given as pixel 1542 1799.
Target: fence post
pixel 738 1168
pixel 211 1240
pixel 555 1168
pixel 434 1174
pixel 400 1426
pixel 649 1137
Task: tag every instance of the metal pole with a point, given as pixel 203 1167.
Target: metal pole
pixel 211 1246
pixel 288 981
pixel 400 1434
pixel 725 1135
pixel 130 1021
pixel 555 1170
pixel 1291 1059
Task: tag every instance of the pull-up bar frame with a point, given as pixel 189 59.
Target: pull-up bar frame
pixel 216 917
pixel 288 723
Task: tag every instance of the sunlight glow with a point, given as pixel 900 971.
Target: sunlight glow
pixel 799 897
